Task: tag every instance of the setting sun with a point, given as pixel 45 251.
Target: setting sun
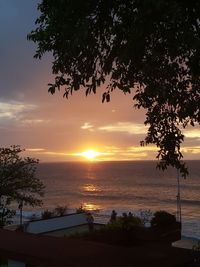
pixel 90 154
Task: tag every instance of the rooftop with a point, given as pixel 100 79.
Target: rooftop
pixel 43 251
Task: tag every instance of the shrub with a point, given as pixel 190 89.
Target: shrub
pixel 47 214
pixel 125 222
pixel 196 252
pixel 6 216
pixel 196 247
pixel 81 209
pixel 60 210
pixel 146 216
pixel 162 219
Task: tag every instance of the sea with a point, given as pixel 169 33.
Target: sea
pixel 124 186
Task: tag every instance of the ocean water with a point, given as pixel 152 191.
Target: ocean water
pixel 123 186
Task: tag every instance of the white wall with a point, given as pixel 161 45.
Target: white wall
pixel 53 224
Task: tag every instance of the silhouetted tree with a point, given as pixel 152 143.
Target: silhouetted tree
pixel 18 183
pixel 151 48
pixel 60 210
pixel 47 214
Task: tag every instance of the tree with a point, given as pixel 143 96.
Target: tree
pixel 151 48
pixel 18 183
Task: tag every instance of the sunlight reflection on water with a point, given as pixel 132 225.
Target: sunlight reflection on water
pixel 123 186
pixel 91 188
pixel 91 207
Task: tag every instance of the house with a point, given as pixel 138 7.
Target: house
pixel 33 236
pixel 45 243
pixel 60 226
pixel 36 250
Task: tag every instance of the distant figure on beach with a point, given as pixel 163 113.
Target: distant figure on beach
pixel 90 221
pixel 113 216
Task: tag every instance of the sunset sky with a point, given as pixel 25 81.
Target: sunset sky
pixel 52 128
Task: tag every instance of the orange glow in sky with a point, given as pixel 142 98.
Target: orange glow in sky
pixel 52 128
pixel 90 154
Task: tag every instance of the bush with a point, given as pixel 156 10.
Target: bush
pixel 146 216
pixel 162 219
pixel 196 252
pixel 81 209
pixel 6 216
pixel 47 214
pixel 125 222
pixel 60 210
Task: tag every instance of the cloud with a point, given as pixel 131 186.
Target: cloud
pixel 138 149
pixel 95 154
pixel 46 154
pixel 192 133
pixel 19 112
pixel 35 149
pixel 34 121
pixel 108 153
pixel 133 152
pixel 111 153
pixel 112 149
pixel 14 110
pixel 191 149
pixel 126 127
pixel 87 126
pixel 54 153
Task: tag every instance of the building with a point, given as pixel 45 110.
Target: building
pixel 23 246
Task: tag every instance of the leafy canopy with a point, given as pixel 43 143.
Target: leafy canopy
pixel 150 48
pixel 18 182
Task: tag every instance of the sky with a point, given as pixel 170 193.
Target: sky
pixel 52 128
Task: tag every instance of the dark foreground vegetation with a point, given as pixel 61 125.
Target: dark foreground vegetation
pixel 149 246
pixel 129 230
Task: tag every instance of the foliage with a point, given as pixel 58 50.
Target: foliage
pixel 162 219
pixel 60 210
pixel 6 216
pixel 81 209
pixel 196 252
pixel 146 216
pixel 150 48
pixel 196 247
pixel 122 231
pixel 18 182
pixel 47 214
pixel 125 222
pixel 3 261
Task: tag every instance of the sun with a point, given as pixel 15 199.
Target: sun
pixel 90 154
